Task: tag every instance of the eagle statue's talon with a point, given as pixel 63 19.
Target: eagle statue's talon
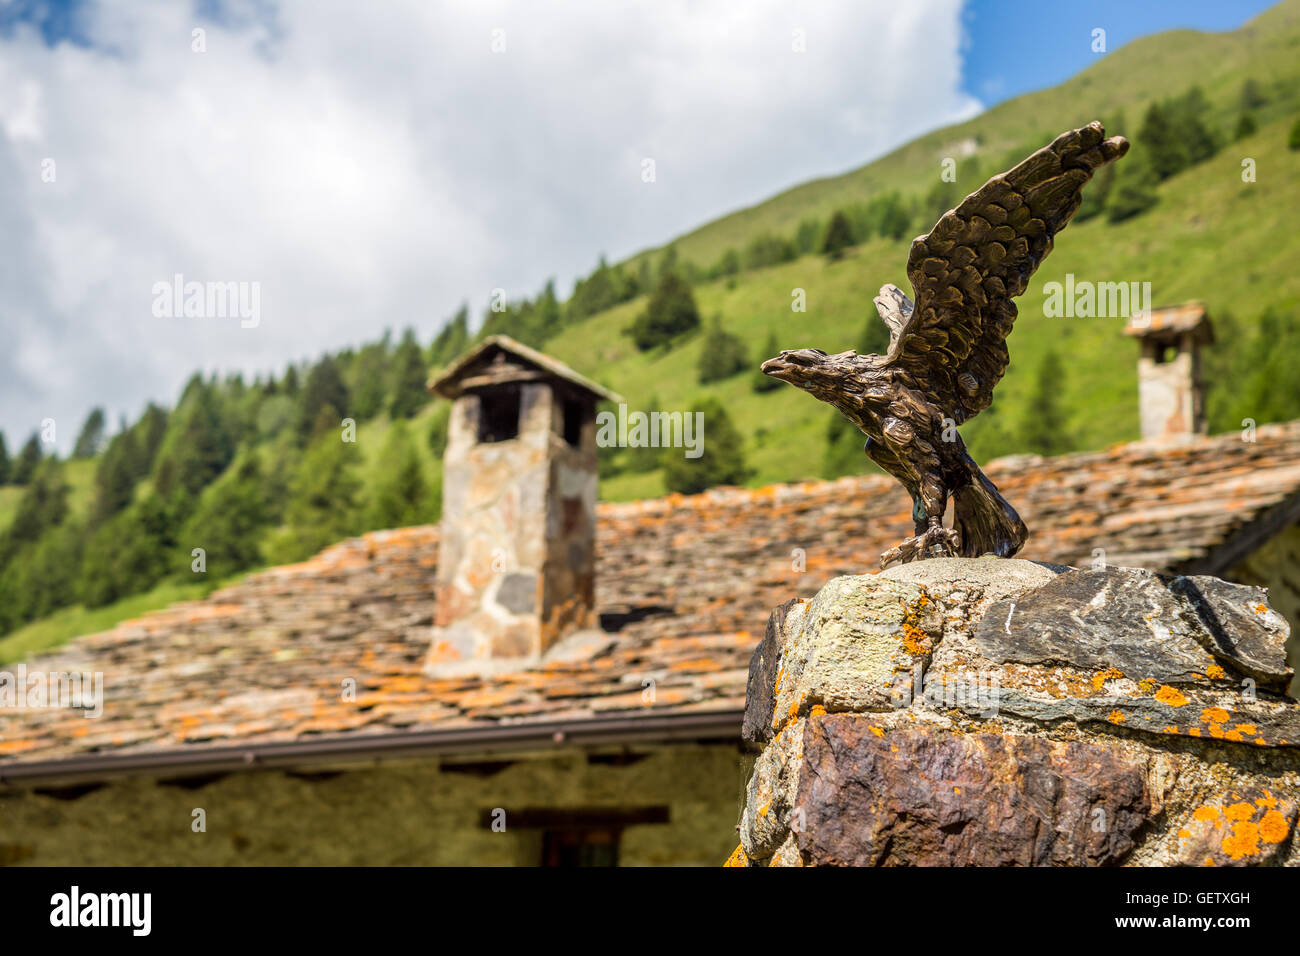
pixel 935 542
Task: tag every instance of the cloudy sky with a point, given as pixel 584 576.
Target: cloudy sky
pixel 373 165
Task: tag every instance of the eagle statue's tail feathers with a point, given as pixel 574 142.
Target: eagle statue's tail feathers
pixel 986 522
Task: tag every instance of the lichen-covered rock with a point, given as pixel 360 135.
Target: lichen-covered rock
pixel 994 712
pixel 1173 630
pixel 1237 829
pixel 842 651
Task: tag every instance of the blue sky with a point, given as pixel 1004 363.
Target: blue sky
pixel 374 165
pixel 1016 46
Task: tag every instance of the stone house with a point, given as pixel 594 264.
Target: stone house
pixel 335 711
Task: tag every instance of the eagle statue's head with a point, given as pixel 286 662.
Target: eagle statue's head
pixel 817 373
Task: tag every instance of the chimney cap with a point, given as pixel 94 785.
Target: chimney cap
pixel 451 382
pixel 1172 321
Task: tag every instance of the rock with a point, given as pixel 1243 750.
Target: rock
pixel 1239 628
pixel 760 698
pixel 904 720
pixel 920 797
pixel 843 651
pixel 1173 630
pixel 1237 829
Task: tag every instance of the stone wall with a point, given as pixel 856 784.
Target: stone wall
pixel 397 813
pixel 1002 712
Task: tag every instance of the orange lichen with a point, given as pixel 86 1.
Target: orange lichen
pixel 1099 679
pixel 1214 715
pixel 1273 827
pixel 1147 685
pixel 878 731
pixel 1115 717
pixel 1261 608
pixel 737 858
pixel 817 711
pixel 1239 811
pixel 1215 671
pixel 1207 812
pixel 1242 842
pixel 915 640
pixel 1171 696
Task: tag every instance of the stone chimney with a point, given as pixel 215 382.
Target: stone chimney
pixel 516 563
pixel 1169 369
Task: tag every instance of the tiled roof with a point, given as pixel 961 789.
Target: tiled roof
pixel 685 586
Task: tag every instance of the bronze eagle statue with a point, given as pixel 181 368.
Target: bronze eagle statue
pixel 948 349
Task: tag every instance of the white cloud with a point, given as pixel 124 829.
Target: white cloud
pixel 373 166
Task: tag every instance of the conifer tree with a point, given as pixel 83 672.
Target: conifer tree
pixel 1044 426
pixel 722 356
pixel 410 376
pixel 670 312
pixel 91 440
pixel 115 477
pixel 722 461
pixel 324 387
pixel 230 519
pixel 401 497
pixel 197 446
pixel 839 236
pixel 28 458
pixel 323 500
pixel 758 381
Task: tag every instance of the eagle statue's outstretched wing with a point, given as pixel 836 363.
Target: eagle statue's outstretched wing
pixel 977 258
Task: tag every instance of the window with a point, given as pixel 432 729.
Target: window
pixel 584 847
pixel 576 836
pixel 498 415
pixel 573 417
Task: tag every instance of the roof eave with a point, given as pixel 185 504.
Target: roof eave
pixel 694 726
pixel 443 383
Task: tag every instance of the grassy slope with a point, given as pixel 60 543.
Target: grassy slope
pixel 69 622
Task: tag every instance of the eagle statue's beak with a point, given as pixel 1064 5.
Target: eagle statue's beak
pixel 792 364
